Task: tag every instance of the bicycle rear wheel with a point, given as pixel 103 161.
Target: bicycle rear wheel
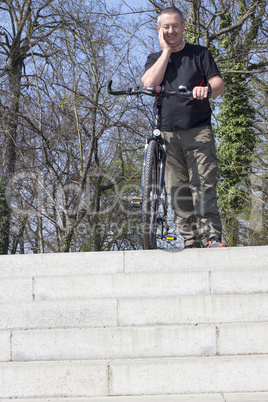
pixel 150 197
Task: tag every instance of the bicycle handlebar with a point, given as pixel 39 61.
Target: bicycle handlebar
pixel 154 91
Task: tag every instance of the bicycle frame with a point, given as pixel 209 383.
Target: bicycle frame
pixel 161 143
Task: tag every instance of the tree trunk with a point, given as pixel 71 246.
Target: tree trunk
pixel 9 148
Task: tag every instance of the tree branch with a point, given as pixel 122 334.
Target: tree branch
pixel 236 25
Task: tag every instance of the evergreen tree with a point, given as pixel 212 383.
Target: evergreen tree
pixel 237 138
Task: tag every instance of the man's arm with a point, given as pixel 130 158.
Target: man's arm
pixel 155 74
pixel 217 88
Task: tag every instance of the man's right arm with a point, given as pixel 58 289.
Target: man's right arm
pixel 155 74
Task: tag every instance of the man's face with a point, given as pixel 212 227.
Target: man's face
pixel 173 29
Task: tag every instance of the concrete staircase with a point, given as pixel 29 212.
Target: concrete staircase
pixel 139 326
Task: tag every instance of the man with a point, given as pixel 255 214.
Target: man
pixel 186 125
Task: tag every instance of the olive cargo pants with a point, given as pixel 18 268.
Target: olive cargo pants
pixel 190 179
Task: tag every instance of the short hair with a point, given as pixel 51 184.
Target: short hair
pixel 170 10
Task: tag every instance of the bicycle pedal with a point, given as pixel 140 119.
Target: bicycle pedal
pixel 171 237
pixel 136 202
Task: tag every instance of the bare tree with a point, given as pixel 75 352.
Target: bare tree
pixel 26 28
pixel 74 141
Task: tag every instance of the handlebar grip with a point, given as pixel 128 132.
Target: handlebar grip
pixel 117 91
pixel 110 86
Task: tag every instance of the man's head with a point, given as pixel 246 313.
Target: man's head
pixel 171 22
pixel 169 10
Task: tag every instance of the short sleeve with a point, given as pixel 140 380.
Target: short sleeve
pixel 151 59
pixel 209 65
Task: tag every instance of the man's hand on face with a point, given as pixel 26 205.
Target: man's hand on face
pixel 163 43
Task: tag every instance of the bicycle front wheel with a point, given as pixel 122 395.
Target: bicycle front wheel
pixel 150 197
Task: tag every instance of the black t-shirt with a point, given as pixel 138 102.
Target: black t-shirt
pixel 192 66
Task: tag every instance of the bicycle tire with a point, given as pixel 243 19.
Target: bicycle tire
pixel 150 197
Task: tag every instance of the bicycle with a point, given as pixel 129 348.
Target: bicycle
pixel 154 196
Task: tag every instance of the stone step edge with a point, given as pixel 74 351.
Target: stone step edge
pixel 231 258
pixel 139 360
pixel 213 397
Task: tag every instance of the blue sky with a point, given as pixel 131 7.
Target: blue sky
pixel 129 5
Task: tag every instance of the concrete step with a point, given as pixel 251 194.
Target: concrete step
pixel 149 284
pixel 134 377
pixel 134 342
pixel 138 326
pixel 134 311
pixel 54 379
pixel 193 310
pixel 225 259
pixel 128 285
pixel 224 397
pixel 61 264
pixel 189 375
pixel 59 314
pixel 105 286
pixel 112 343
pixel 233 258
